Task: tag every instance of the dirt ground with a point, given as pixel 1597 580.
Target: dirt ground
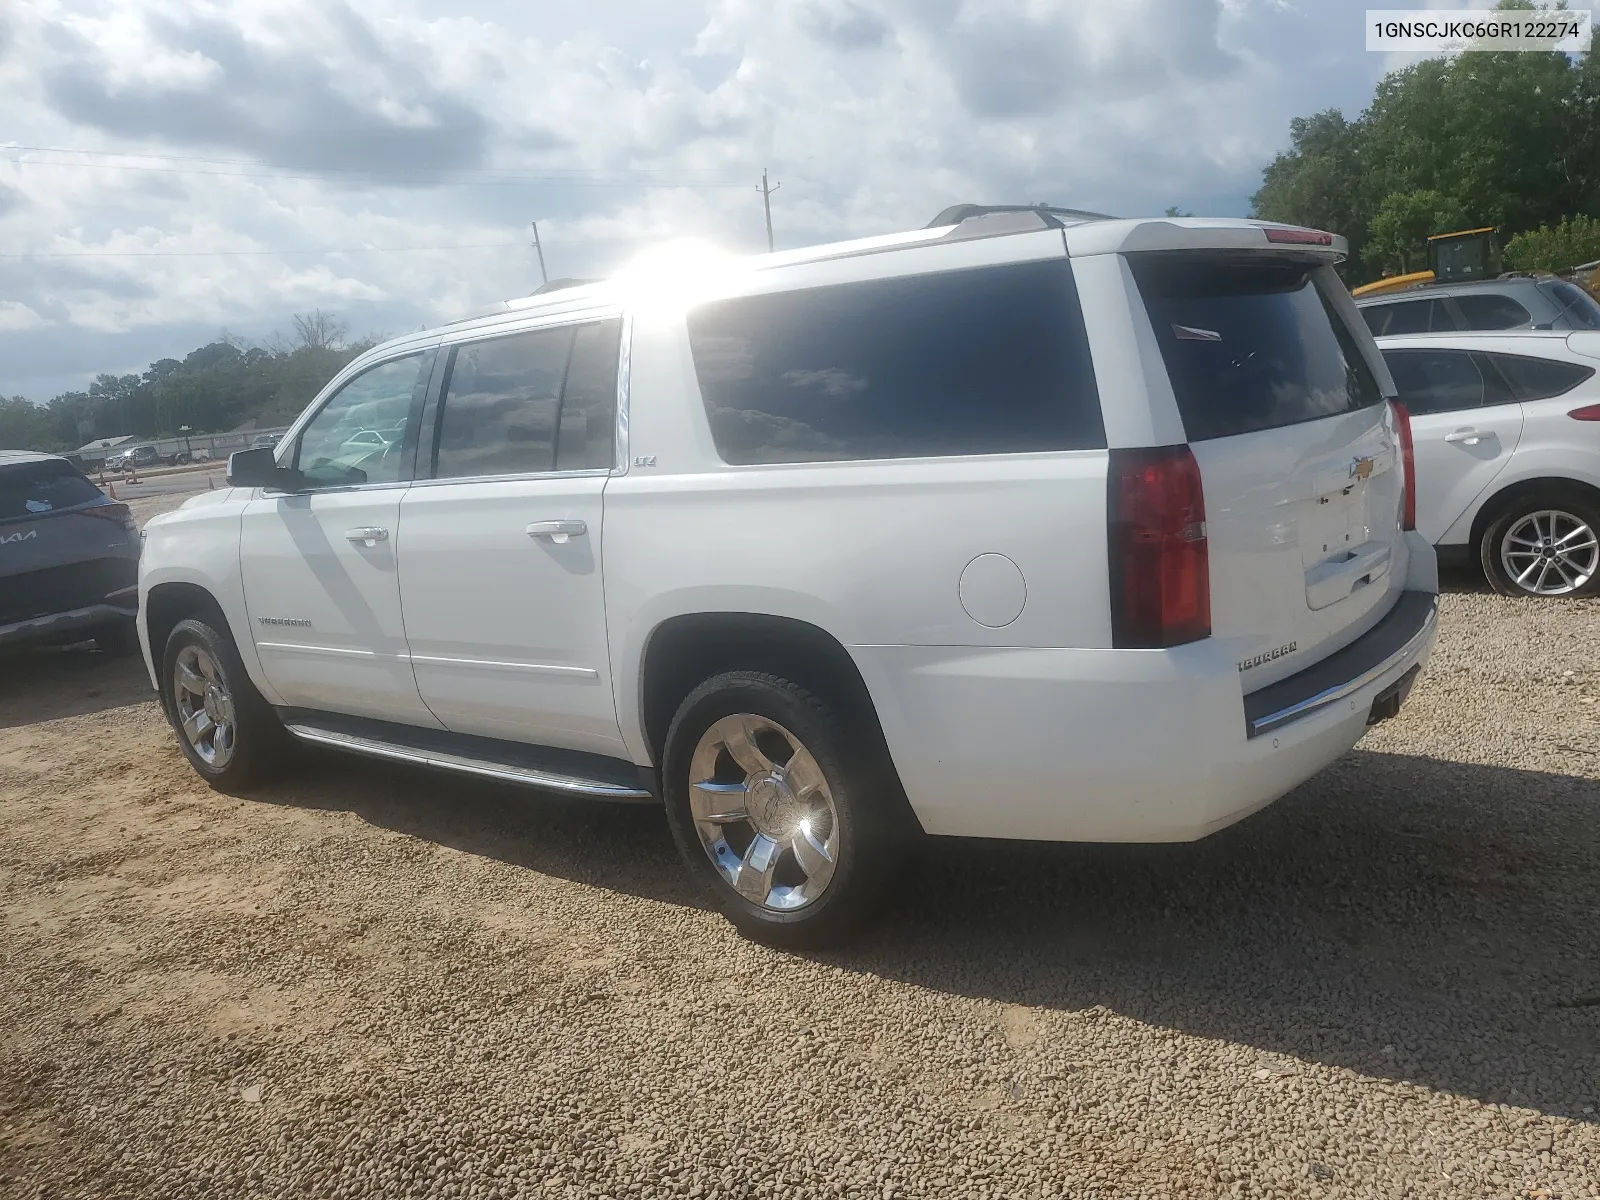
pixel 368 981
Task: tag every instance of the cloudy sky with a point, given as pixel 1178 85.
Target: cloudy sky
pixel 172 168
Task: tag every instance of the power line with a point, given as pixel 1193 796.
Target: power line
pixel 212 253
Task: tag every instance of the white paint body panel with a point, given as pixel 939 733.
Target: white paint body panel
pixel 507 631
pixel 298 565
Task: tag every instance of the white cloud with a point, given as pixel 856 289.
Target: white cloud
pixel 377 124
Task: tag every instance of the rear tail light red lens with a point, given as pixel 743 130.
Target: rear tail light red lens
pixel 1160 563
pixel 119 513
pixel 1590 412
pixel 1408 460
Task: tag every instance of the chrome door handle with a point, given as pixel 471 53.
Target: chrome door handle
pixel 556 531
pixel 1464 437
pixel 367 535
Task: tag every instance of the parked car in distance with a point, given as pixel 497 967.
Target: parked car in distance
pixel 1515 302
pixel 69 557
pixel 1025 525
pixel 135 457
pixel 1506 432
pixel 265 440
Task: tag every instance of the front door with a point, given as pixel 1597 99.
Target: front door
pixel 319 564
pixel 1464 426
pixel 500 549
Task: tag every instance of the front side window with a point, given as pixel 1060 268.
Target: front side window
pixel 993 360
pixel 1250 342
pixel 358 436
pixel 1436 381
pixel 1486 310
pixel 531 402
pixel 1540 378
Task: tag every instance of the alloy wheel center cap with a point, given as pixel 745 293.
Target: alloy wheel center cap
pixel 774 809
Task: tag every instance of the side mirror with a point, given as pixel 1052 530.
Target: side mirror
pixel 258 467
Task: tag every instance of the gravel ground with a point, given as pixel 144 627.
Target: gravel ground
pixel 372 982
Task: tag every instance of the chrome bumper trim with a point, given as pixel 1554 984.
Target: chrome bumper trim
pixel 1266 722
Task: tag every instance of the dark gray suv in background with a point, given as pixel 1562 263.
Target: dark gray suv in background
pixel 69 557
pixel 1520 302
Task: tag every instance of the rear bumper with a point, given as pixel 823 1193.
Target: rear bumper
pixel 1122 745
pixel 71 625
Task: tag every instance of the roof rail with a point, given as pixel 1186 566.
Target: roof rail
pixel 1048 213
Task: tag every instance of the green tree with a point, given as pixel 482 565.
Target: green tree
pixel 26 426
pixel 1398 237
pixel 1317 182
pixel 1557 248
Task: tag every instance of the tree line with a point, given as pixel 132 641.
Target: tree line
pixel 1482 138
pixel 212 389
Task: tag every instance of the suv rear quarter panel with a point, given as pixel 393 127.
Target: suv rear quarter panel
pixel 872 552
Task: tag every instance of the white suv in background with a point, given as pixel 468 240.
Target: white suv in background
pixel 1506 428
pixel 1024 525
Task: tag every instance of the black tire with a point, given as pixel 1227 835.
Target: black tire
pixel 257 747
pixel 1559 500
pixel 118 640
pixel 865 791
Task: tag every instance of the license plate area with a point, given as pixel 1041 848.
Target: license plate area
pixel 1387 702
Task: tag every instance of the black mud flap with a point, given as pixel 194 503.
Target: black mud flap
pixel 1387 702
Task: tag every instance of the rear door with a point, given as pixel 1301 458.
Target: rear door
pixel 499 547
pixel 1296 448
pixel 1465 424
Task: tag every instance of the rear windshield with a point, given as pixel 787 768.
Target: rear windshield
pixel 29 489
pixel 1250 343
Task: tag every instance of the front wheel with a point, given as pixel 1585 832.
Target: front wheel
pixel 785 816
pixel 1545 545
pixel 226 730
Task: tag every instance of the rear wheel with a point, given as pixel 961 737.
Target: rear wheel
pixel 1544 545
pixel 785 818
pixel 226 730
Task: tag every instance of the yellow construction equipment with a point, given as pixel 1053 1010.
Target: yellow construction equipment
pixel 1452 258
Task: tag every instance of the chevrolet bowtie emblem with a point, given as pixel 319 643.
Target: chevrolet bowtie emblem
pixel 1361 468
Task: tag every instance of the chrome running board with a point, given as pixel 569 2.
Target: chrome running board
pixel 465 765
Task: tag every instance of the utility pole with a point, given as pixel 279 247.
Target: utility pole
pixel 544 278
pixel 766 202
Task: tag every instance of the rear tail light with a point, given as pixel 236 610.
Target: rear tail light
pixel 1408 460
pixel 1160 564
pixel 120 513
pixel 1589 412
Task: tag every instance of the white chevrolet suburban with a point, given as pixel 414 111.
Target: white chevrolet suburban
pixel 1024 525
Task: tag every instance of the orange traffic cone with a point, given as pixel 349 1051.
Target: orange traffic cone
pixel 211 484
pixel 111 490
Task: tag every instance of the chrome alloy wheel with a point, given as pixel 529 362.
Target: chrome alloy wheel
pixel 764 812
pixel 1550 553
pixel 204 705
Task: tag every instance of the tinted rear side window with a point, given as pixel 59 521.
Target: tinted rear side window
pixel 1250 343
pixel 33 489
pixel 1485 310
pixel 987 361
pixel 1435 381
pixel 1579 308
pixel 1408 316
pixel 1539 378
